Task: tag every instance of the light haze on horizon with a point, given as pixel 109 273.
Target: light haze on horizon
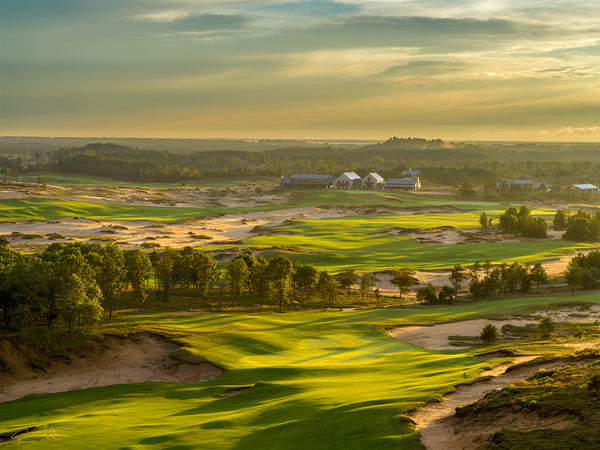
pixel 366 69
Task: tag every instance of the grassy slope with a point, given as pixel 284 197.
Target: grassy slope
pixel 329 380
pixel 336 244
pixel 358 243
pixel 51 208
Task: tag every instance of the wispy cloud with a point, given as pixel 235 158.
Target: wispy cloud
pixel 593 131
pixel 376 67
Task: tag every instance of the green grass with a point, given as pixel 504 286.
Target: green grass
pixel 51 208
pixel 327 380
pixel 358 243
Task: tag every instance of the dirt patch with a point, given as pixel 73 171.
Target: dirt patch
pixel 235 391
pixel 439 427
pixel 118 360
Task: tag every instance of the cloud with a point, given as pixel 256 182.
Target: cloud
pixel 314 7
pixel 185 20
pixel 593 131
pixel 423 68
pixel 163 16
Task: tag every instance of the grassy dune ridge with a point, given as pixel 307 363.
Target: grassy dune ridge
pixel 40 208
pixel 321 380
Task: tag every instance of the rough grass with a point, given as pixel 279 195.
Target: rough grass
pixel 321 380
pixel 563 392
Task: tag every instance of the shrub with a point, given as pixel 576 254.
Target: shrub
pixel 489 334
pixel 546 327
pixel 594 384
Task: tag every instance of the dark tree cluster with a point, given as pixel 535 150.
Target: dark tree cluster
pixel 487 282
pixel 581 226
pixel 522 223
pixel 440 163
pixel 583 270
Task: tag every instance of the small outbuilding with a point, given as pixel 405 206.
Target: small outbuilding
pixel 411 173
pixel 403 184
pixel 347 180
pixel 307 181
pixel 372 181
pixel 587 188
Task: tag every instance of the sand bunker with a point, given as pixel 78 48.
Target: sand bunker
pixel 139 359
pixel 436 337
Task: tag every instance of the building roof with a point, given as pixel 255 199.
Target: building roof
pixel 585 187
pixel 410 172
pixel 520 182
pixel 311 177
pixel 376 176
pixel 402 181
pixel 351 176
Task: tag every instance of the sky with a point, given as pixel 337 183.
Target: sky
pixel 524 70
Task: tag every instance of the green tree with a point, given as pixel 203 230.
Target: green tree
pixel 427 294
pixel 204 270
pixel 457 274
pixel 250 260
pixel 79 303
pixel 446 294
pixel 165 272
pixel 483 221
pixel 404 279
pixel 546 327
pixel 262 280
pixel 539 275
pixel 237 273
pixel 560 220
pixel 348 278
pixel 475 284
pixel 467 191
pixel 111 275
pixel 489 334
pixel 573 274
pixel 326 287
pixel 137 267
pixel 590 277
pixel 509 222
pixel 306 277
pixel 281 271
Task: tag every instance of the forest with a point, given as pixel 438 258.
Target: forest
pixel 440 163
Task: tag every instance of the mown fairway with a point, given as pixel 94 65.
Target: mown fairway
pixel 52 208
pixel 327 380
pixel 361 243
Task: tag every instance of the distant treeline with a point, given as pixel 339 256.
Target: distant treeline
pixel 440 163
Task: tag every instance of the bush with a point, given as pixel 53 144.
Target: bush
pixel 594 384
pixel 546 327
pixel 489 334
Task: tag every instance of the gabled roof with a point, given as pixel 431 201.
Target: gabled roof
pixel 585 187
pixel 312 177
pixel 410 172
pixel 403 181
pixel 376 176
pixel 351 176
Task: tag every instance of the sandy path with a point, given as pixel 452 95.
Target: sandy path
pixel 145 358
pixel 437 432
